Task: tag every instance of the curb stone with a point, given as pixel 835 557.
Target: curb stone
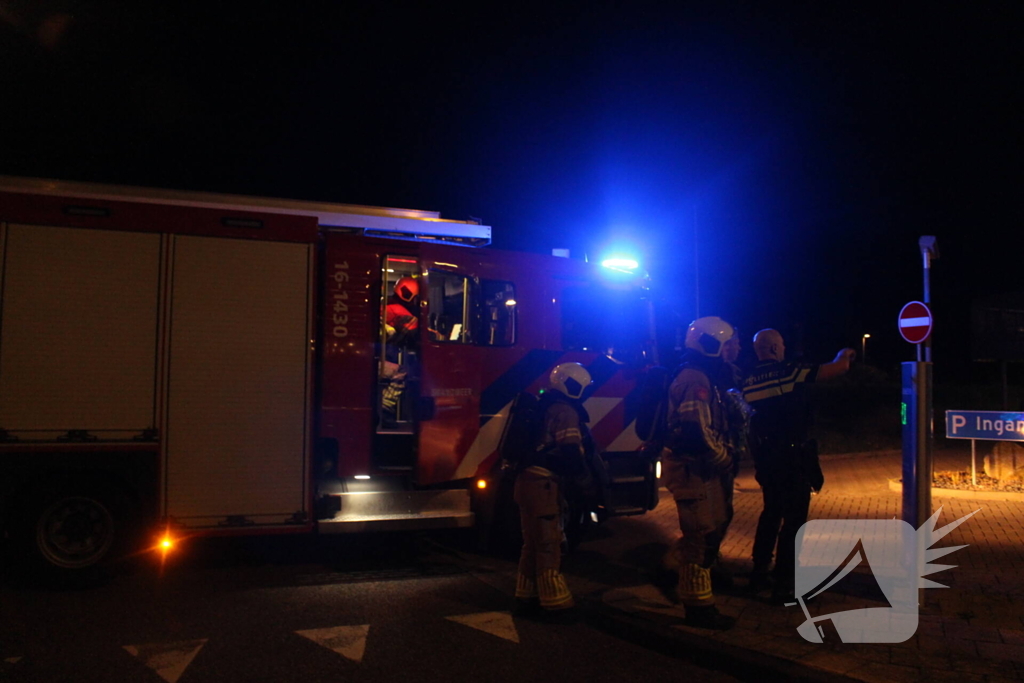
pixel 704 651
pixel 897 486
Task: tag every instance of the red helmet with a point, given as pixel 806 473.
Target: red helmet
pixel 407 288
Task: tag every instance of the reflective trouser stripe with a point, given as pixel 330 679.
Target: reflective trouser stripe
pixel 554 592
pixel 695 585
pixel 525 587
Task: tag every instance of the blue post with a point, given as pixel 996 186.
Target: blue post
pixel 916 416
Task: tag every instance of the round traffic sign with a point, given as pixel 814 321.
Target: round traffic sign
pixel 915 322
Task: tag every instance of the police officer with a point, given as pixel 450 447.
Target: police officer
pixel 539 492
pixel 785 461
pixel 694 465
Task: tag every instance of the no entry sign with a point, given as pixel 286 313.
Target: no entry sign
pixel 915 322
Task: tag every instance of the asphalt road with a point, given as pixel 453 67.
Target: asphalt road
pixel 410 608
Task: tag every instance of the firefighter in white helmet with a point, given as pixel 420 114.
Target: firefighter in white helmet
pixel 696 457
pixel 558 457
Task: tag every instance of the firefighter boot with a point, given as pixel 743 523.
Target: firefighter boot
pixel 707 616
pixel 694 587
pixel 783 593
pixel 759 580
pixel 527 600
pixel 721 578
pixel 553 590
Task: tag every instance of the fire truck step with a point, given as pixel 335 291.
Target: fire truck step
pixel 400 511
pixel 625 510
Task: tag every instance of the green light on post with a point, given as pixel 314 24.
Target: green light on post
pixel 903 413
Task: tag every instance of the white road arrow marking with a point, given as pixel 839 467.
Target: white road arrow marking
pixel 347 641
pixel 169 660
pixel 496 623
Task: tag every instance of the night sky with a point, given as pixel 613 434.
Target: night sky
pixel 786 158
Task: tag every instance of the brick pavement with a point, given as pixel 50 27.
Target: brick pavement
pixel 971 631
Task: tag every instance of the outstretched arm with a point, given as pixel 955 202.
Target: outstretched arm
pixel 837 367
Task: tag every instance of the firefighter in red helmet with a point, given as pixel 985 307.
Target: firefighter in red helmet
pixel 402 326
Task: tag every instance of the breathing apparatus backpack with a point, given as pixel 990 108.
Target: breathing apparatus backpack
pixel 652 412
pixel 522 431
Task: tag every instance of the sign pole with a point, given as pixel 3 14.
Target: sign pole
pixel 915 325
pixel 929 250
pixel 927 300
pixel 974 469
pixel 917 443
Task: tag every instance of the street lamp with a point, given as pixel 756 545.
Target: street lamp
pixel 864 348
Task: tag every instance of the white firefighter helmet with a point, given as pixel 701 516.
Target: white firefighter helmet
pixel 708 335
pixel 570 378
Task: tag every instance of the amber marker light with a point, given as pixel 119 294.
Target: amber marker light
pixel 168 544
pixel 481 483
pixel 165 544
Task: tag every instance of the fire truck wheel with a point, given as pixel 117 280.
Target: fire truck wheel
pixel 74 530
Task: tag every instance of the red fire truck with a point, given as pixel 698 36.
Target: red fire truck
pixel 203 363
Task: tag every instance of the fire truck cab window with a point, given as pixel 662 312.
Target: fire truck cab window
pixel 448 306
pixel 498 313
pixel 609 321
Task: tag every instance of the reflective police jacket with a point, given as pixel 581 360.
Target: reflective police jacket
pixel 778 392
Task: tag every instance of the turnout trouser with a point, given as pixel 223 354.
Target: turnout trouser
pixel 538 495
pixel 703 517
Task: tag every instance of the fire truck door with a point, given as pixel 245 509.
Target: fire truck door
pixel 449 411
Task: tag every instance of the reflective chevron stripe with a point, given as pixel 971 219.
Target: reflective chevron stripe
pixel 525 587
pixel 695 585
pixel 554 591
pixel 496 403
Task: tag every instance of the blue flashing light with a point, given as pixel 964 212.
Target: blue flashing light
pixel 621 263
